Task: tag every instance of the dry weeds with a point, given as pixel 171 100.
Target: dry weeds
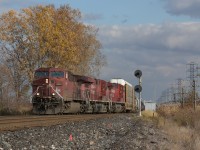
pixel 15 108
pixel 182 125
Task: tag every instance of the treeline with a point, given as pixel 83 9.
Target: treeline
pixel 44 36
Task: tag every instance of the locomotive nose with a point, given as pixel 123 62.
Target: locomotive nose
pixel 45 88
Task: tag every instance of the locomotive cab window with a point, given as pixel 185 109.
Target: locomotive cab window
pixel 57 74
pixel 41 74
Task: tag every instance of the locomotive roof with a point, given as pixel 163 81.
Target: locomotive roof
pixel 79 78
pixel 50 69
pixel 84 79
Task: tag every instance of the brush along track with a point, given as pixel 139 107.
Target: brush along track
pixel 19 122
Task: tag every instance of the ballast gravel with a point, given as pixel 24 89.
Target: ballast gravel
pixel 121 132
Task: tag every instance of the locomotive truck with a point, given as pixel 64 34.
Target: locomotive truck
pixel 58 91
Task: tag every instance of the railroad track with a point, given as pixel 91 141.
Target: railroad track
pixel 19 122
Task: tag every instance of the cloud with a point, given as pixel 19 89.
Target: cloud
pixel 183 7
pixel 172 37
pixel 160 51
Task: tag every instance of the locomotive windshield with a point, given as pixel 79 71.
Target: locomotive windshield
pixel 57 74
pixel 44 74
pixel 41 74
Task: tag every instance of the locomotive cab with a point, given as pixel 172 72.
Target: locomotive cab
pixel 48 83
pixel 47 88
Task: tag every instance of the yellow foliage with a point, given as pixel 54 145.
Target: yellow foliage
pixel 45 36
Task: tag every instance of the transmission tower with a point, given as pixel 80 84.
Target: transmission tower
pixel 193 72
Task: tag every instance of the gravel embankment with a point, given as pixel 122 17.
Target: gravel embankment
pixel 122 132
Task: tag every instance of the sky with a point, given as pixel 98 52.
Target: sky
pixel 159 37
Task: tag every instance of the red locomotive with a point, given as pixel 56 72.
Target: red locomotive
pixel 57 91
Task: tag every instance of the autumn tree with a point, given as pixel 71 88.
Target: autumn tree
pixel 6 86
pixel 45 36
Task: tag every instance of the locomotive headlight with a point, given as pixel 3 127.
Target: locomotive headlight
pixel 47 81
pixel 37 94
pixel 53 94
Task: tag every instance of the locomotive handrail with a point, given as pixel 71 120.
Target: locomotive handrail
pixel 56 91
pixel 34 93
pixel 62 99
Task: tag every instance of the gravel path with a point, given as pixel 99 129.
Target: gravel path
pixel 121 132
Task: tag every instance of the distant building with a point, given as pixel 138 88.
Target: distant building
pixel 149 105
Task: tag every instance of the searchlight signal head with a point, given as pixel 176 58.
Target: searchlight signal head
pixel 138 88
pixel 138 73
